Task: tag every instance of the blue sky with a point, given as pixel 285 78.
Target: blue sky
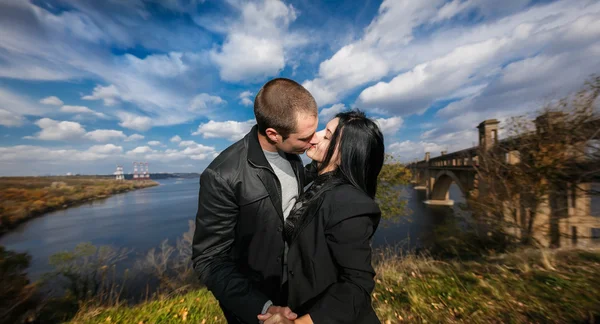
pixel 86 85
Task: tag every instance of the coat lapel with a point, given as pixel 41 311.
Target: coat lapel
pixel 269 181
pixel 308 216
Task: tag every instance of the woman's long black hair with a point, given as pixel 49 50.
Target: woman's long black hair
pixel 361 155
pixel 361 150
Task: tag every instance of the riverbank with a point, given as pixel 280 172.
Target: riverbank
pixel 543 286
pixel 24 198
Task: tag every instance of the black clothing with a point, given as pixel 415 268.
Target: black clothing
pixel 238 243
pixel 330 275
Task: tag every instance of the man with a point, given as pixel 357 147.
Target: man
pixel 245 195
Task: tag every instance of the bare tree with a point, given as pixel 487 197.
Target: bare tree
pixel 534 183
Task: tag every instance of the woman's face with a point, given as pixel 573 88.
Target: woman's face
pixel 317 152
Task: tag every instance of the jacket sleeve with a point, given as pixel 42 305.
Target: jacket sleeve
pixel 349 245
pixel 211 249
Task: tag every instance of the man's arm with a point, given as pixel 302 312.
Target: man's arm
pixel 213 240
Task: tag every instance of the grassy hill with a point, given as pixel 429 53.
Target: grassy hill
pixel 531 286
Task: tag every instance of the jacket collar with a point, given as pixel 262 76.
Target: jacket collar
pixel 255 151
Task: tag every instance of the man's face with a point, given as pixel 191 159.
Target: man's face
pixel 304 136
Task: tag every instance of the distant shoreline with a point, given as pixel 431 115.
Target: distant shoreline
pixel 26 198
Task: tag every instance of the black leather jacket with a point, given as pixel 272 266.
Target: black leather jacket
pixel 238 244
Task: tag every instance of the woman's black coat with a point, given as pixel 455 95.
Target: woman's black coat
pixel 330 275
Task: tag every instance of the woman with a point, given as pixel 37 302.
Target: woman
pixel 328 232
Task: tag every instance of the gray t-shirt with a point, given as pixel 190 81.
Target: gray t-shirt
pixel 289 190
pixel 287 178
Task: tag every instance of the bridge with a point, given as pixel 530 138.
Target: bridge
pixel 574 206
pixel 435 175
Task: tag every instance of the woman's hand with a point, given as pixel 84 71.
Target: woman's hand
pixel 275 319
pixel 278 312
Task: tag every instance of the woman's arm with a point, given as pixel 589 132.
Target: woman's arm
pixel 349 245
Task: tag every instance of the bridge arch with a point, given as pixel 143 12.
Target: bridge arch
pixel 441 186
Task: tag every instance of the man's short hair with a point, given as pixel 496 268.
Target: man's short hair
pixel 278 104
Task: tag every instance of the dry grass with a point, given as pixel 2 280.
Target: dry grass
pixel 22 198
pixel 195 307
pixel 531 286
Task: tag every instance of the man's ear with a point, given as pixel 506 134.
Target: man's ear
pixel 272 135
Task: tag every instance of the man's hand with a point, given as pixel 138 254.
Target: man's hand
pixel 280 314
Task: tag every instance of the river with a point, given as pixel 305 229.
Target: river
pixel 142 219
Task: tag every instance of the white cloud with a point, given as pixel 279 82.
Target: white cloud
pixel 10 119
pixel 359 67
pixel 374 55
pixel 231 130
pixel 249 64
pixel 52 100
pixel 106 149
pixel 105 135
pixel 199 151
pixel 30 153
pixel 390 126
pixel 255 47
pixel 53 130
pixel 154 143
pixel 245 98
pixel 427 134
pixel 42 44
pixel 453 58
pixel 109 94
pixel 13 107
pixel 28 159
pixel 494 58
pixel 166 66
pixel 523 89
pixel 408 150
pixel 140 150
pixel 81 110
pixel 193 151
pixel 187 143
pixel 417 89
pixel 205 103
pixel 568 40
pixel 175 139
pixel 327 114
pixel 134 137
pixel 131 121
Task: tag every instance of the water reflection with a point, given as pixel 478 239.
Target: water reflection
pixel 417 229
pixel 142 219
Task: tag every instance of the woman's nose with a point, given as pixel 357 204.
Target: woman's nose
pixel 317 137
